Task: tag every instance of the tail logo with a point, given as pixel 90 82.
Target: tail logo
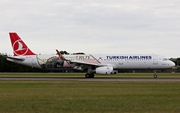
pixel 19 47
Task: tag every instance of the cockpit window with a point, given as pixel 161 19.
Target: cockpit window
pixel 165 59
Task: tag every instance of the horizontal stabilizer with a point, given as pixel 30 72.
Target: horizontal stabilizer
pixel 13 58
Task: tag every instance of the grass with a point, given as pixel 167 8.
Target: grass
pixel 89 97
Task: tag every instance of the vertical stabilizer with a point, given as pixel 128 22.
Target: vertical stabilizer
pixel 19 47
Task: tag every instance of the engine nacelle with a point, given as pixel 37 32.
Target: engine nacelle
pixel 104 70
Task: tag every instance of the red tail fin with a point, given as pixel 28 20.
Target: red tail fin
pixel 19 47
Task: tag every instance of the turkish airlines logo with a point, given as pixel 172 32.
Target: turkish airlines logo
pixel 19 47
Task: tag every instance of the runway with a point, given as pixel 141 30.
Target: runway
pixel 86 79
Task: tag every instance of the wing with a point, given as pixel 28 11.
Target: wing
pixel 80 64
pixel 60 56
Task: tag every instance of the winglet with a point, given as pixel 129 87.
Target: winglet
pixel 60 56
pixel 18 45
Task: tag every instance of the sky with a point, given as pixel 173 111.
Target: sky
pixel 93 26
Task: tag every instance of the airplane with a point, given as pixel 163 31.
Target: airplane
pixel 94 63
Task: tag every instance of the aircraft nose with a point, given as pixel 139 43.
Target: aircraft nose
pixel 172 64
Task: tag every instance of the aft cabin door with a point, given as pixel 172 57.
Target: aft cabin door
pixel 155 60
pixel 33 63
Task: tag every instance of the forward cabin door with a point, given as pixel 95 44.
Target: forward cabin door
pixel 155 59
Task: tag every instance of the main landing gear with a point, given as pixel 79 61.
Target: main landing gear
pixel 90 72
pixel 155 75
pixel 89 75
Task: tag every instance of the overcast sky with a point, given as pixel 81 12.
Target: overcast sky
pixel 93 26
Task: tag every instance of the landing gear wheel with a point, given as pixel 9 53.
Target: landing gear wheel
pixel 87 75
pixel 155 76
pixel 92 75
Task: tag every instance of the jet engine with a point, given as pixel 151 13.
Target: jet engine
pixel 104 70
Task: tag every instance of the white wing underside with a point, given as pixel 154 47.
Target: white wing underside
pixel 77 62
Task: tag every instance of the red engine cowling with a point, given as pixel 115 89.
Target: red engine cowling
pixel 104 70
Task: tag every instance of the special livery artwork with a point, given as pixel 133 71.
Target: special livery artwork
pixel 53 61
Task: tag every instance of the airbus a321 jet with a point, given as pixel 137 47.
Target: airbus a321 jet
pixel 94 63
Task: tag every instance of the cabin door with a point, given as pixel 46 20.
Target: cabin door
pixel 155 59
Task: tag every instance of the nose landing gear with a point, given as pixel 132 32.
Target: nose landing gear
pixel 155 75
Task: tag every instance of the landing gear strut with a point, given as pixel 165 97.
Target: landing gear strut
pixel 89 75
pixel 155 75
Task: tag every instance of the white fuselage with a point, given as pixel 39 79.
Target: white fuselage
pixel 145 61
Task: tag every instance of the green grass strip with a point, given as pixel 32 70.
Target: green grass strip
pixel 89 97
